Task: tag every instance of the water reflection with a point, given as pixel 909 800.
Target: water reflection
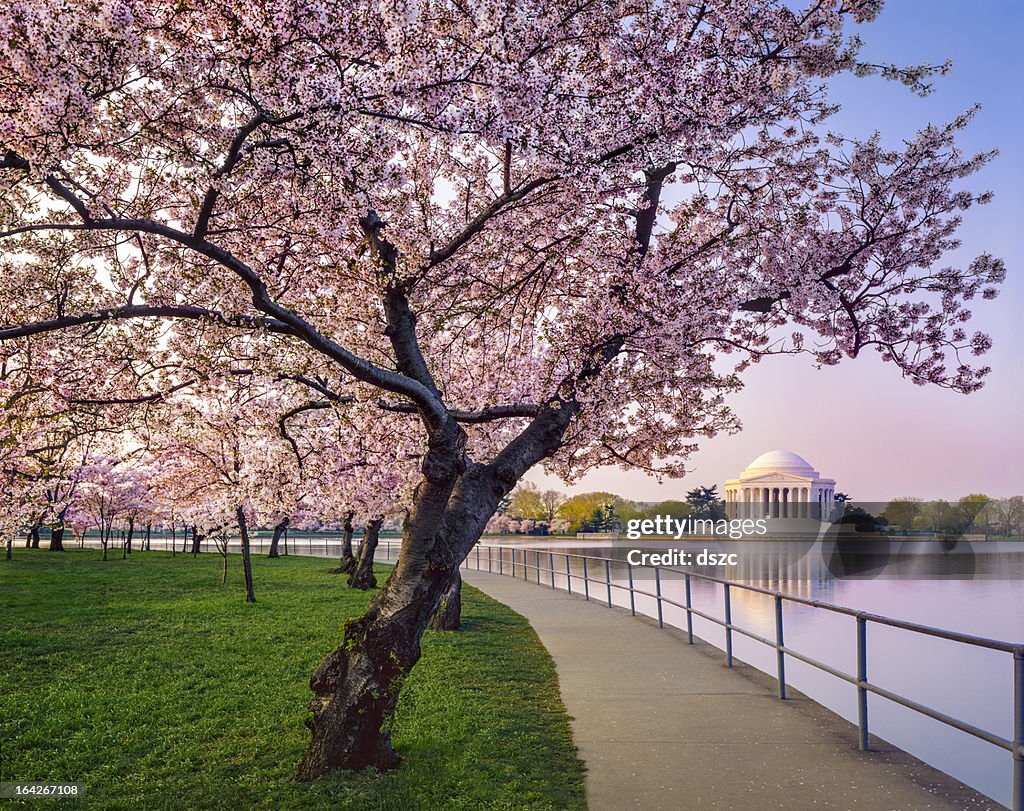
pixel 974 588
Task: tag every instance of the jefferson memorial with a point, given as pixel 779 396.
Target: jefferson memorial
pixel 779 484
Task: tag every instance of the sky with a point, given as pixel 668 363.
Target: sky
pixel 860 423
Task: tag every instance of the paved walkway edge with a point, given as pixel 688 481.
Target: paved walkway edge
pixel 662 724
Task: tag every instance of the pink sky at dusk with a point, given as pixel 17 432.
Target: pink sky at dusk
pixel 860 423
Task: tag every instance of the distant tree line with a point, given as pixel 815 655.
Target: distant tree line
pixel 531 511
pixel 973 514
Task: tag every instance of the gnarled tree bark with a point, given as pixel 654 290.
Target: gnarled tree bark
pixel 348 560
pixel 279 529
pixel 57 534
pixel 363 577
pixel 448 616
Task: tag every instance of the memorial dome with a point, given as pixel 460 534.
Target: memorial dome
pixel 782 461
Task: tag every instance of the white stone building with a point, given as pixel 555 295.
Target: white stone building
pixel 780 484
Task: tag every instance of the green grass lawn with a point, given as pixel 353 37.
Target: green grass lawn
pixel 157 687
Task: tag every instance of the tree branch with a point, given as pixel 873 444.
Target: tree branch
pixel 131 311
pixel 431 409
pixel 488 414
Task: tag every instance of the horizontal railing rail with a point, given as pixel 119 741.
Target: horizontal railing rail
pixel 507 563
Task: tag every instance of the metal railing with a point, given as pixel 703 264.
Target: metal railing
pixel 508 555
pixel 304 544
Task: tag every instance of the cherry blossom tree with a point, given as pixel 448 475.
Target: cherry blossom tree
pixel 52 438
pixel 531 231
pixel 217 440
pixel 498 524
pixel 22 493
pixel 108 488
pixel 345 465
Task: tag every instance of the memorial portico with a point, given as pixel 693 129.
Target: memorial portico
pixel 780 484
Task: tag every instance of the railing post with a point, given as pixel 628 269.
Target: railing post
pixel 586 580
pixel 862 676
pixel 779 642
pixel 632 597
pixel 1018 730
pixel 657 590
pixel 608 580
pixel 689 616
pixel 478 557
pixel 568 574
pixel 728 629
pixel 501 560
pixel 513 561
pixel 551 560
pixel 536 559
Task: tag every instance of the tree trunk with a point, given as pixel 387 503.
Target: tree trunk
pixel 57 531
pixel 10 546
pixel 278 531
pixel 356 687
pixel 348 560
pixel 35 536
pixel 243 529
pixel 124 547
pixel 448 616
pixel 105 540
pixel 131 534
pixel 57 537
pixel 224 554
pixel 197 539
pixel 148 539
pixel 363 577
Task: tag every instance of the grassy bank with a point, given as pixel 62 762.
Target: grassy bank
pixel 158 688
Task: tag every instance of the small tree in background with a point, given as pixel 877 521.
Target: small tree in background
pixel 902 513
pixel 705 503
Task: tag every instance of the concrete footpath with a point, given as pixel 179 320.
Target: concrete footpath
pixel 665 725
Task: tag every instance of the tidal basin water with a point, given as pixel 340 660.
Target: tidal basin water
pixel 976 589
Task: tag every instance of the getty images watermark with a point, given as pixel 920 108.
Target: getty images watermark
pixel 735 528
pixel 677 529
pixel 809 542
